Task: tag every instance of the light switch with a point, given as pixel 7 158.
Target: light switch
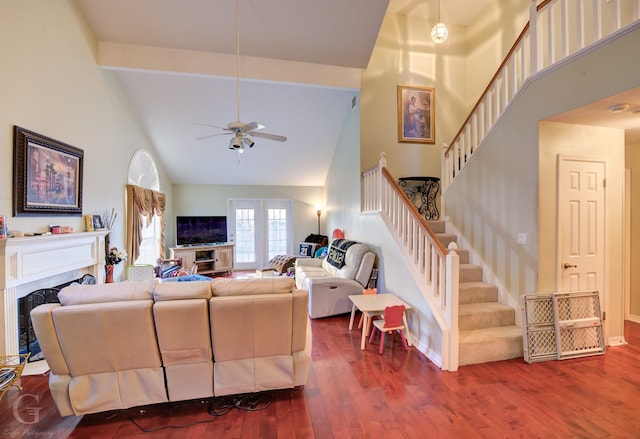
pixel 522 238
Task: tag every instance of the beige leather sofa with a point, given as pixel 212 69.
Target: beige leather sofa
pixel 114 346
pixel 330 281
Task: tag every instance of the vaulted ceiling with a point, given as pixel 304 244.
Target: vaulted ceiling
pixel 299 69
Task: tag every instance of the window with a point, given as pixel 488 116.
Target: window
pixel 150 247
pixel 245 233
pixel 277 232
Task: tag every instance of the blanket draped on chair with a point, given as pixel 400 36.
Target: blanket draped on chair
pixel 338 251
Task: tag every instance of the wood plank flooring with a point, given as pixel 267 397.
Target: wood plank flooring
pixel 400 394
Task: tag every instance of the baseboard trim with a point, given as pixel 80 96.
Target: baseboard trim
pixel 634 318
pixel 617 341
pixel 434 357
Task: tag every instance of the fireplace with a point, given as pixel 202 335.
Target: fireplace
pixel 32 263
pixel 27 341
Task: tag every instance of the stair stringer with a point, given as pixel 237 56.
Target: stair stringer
pixel 503 295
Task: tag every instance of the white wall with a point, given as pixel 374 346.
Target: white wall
pixel 405 55
pixel 50 84
pixel 489 38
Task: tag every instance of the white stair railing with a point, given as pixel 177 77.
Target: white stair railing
pixel 557 29
pixel 434 268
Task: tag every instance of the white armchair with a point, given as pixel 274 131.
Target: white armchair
pixel 329 283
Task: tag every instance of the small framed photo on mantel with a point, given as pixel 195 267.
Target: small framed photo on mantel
pixel 416 114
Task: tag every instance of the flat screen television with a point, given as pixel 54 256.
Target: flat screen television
pixel 201 230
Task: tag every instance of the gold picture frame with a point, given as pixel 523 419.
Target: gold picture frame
pixel 416 114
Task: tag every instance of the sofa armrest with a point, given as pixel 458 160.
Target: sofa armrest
pixel 309 262
pixel 366 266
pixel 42 320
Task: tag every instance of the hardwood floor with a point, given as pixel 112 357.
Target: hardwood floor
pixel 400 394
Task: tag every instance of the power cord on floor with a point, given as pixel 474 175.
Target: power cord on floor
pixel 164 427
pixel 172 407
pixel 248 402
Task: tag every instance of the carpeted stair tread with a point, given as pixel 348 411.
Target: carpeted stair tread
pixel 485 315
pixel 463 256
pixel 477 292
pixel 490 344
pixel 470 273
pixel 446 238
pixel 436 226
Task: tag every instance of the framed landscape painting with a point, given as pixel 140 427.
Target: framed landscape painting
pixel 47 176
pixel 416 114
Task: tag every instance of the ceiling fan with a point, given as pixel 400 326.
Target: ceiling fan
pixel 242 132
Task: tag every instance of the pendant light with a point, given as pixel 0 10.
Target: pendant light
pixel 439 33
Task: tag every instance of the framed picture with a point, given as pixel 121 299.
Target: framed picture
pixel 416 114
pixel 47 176
pixel 97 222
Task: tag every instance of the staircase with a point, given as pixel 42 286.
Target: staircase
pixel 487 327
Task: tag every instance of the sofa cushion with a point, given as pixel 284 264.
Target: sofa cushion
pixel 352 260
pixel 78 294
pixel 242 287
pixel 337 252
pixel 181 290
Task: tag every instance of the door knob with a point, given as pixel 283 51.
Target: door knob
pixel 568 265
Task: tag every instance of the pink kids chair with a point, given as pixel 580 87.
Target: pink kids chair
pixel 392 321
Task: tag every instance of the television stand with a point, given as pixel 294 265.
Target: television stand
pixel 209 259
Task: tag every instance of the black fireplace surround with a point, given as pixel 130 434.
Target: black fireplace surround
pixel 28 343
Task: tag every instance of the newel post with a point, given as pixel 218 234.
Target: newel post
pixel 452 297
pixel 382 163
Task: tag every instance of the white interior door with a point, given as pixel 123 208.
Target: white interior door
pixel 581 225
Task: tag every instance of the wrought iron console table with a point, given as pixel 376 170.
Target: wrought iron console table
pixel 422 192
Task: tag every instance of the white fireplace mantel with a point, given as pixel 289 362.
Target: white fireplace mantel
pixel 33 262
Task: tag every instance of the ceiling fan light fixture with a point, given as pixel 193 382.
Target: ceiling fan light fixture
pixel 248 142
pixel 236 142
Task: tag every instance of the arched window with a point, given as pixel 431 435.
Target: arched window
pixel 145 211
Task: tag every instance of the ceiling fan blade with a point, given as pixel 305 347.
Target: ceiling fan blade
pixel 269 136
pixel 209 125
pixel 211 135
pixel 252 126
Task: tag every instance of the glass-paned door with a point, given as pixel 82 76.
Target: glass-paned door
pixel 262 229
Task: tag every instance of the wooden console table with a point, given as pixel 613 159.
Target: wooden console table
pixel 422 192
pixel 210 259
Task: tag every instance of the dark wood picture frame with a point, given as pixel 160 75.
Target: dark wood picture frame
pixel 416 114
pixel 47 176
pixel 97 222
